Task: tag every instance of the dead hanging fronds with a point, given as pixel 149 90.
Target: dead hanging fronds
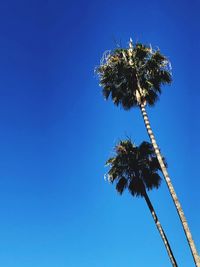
pixel 150 49
pixel 169 66
pixel 105 58
pixel 103 62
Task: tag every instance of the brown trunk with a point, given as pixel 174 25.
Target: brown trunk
pixel 171 188
pixel 161 231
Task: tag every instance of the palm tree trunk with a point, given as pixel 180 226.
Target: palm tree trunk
pixel 171 188
pixel 160 229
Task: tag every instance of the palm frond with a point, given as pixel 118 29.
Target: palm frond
pixel 121 185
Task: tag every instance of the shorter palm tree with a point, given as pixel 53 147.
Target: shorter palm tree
pixel 136 168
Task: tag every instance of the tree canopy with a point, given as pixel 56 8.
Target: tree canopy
pixel 133 75
pixel 134 168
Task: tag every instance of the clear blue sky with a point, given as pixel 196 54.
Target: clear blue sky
pixel 56 132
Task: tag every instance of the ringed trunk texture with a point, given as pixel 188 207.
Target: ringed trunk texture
pixel 161 231
pixel 171 188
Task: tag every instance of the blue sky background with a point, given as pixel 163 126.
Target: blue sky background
pixel 56 132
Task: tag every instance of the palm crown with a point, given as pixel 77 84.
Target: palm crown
pixel 135 168
pixel 134 75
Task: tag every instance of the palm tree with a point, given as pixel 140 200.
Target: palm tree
pixel 136 168
pixel 132 77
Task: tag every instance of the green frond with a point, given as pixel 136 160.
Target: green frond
pixel 159 58
pixel 146 149
pixel 155 181
pixel 136 187
pixel 121 185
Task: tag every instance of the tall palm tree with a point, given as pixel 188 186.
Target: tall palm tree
pixel 136 168
pixel 132 77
